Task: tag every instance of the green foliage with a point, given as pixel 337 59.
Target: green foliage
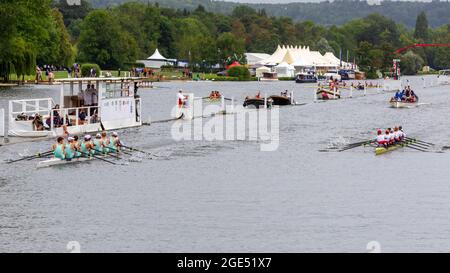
pixel 86 69
pixel 31 33
pixel 72 12
pixel 327 13
pixel 103 41
pixel 240 72
pixel 229 45
pixel 421 30
pixel 411 63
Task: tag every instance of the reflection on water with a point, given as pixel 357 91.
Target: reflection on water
pixel 228 195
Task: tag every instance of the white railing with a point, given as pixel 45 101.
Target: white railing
pixel 92 116
pixel 107 73
pixel 2 123
pixel 33 106
pixel 116 93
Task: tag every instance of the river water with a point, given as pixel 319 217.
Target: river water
pixel 229 196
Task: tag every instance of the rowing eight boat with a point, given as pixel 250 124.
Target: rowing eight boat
pixel 382 150
pixel 57 161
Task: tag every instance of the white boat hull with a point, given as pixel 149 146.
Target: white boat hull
pixel 57 162
pixel 401 104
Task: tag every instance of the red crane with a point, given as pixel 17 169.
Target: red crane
pixel 400 50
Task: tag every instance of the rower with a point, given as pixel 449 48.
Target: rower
pixel 391 136
pixel 403 135
pixel 113 143
pixel 381 139
pixel 86 146
pixel 414 97
pixel 71 149
pixel 77 142
pixel 387 137
pixel 180 98
pixel 398 95
pixel 258 95
pixel 58 148
pixel 397 135
pixel 98 145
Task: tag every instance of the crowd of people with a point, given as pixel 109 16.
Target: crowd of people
pixel 41 123
pixel 406 95
pixel 73 147
pixel 390 137
pixel 142 72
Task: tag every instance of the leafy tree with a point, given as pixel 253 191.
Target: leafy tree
pixel 31 33
pixel 228 45
pixel 421 30
pixel 323 46
pixel 411 63
pixel 102 41
pixel 240 72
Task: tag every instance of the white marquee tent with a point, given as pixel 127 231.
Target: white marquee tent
pixel 255 58
pixel 285 70
pixel 302 57
pixel 155 61
pixel 261 70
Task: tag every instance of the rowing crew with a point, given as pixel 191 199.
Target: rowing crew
pixel 390 137
pixel 75 148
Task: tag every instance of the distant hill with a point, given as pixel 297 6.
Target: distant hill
pixel 325 13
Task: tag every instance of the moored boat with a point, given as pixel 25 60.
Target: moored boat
pixel 281 100
pixel 305 78
pixel 257 102
pixel 269 76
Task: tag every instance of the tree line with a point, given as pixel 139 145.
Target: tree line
pixel 49 32
pixel 332 12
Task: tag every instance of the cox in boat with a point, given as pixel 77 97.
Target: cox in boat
pixel 404 98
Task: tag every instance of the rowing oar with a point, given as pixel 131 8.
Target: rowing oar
pixel 415 148
pixel 360 143
pixel 421 145
pixel 420 141
pixel 96 157
pixel 136 150
pixel 41 155
pixel 30 157
pixel 103 153
pixel 354 145
pixel 118 151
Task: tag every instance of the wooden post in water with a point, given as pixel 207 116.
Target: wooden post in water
pixel 351 91
pixel 365 89
pixel 292 97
